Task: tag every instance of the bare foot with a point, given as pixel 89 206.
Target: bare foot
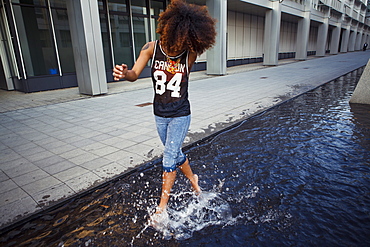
pixel 159 219
pixel 195 185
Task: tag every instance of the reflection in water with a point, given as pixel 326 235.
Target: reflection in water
pixel 361 119
pixel 295 175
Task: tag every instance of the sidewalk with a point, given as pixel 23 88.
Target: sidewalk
pixel 56 144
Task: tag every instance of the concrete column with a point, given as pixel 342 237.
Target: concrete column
pixel 363 40
pixel 272 34
pixel 322 35
pixel 87 44
pixel 303 33
pixel 358 41
pixel 352 40
pixel 217 56
pixel 345 40
pixel 334 43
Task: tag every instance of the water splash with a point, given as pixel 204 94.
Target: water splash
pixel 196 213
pixel 188 213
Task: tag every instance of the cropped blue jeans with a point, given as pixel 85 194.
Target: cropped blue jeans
pixel 172 132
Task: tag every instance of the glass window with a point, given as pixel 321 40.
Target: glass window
pixel 58 3
pixel 156 8
pixel 138 7
pixel 101 6
pixel 154 25
pixel 36 40
pixel 106 41
pixel 141 35
pixel 117 5
pixel 7 43
pixel 64 40
pixel 31 2
pixel 122 45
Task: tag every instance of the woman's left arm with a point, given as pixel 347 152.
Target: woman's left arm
pixel 192 58
pixel 122 71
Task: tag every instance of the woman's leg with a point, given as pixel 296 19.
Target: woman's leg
pixel 172 132
pixel 193 178
pixel 168 181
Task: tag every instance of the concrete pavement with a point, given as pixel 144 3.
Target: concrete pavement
pixel 56 144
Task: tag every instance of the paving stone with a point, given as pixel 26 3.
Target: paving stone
pixel 121 154
pixel 143 138
pixel 94 146
pixel 82 143
pixel 7 185
pixel 96 163
pixel 3 176
pixel 22 207
pixel 70 173
pixel 140 149
pixel 131 161
pixel 24 146
pixel 32 151
pixel 20 169
pixel 41 185
pixel 62 149
pixel 104 151
pixel 109 170
pixel 52 195
pixel 73 153
pixel 39 156
pixel 122 143
pixel 12 195
pixel 84 181
pixel 64 135
pixel 78 160
pixel 58 167
pixel 30 177
pixel 8 155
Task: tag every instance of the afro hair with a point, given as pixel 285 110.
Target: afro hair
pixel 184 26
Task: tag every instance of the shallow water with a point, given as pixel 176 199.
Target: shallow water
pixel 296 175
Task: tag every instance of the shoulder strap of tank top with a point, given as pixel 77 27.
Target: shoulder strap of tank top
pixel 154 51
pixel 187 62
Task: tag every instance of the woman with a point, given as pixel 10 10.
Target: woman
pixel 186 31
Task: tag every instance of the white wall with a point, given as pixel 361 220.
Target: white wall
pixel 245 36
pixel 288 36
pixel 312 39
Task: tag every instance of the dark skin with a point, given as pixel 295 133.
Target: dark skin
pixel 122 72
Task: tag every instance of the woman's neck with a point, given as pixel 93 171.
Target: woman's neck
pixel 171 53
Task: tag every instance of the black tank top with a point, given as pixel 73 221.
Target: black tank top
pixel 170 78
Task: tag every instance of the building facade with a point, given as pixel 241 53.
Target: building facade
pixel 52 44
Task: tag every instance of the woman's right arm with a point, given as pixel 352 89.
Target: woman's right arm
pixel 122 71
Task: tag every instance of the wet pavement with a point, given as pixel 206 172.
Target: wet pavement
pixel 52 152
pixel 294 175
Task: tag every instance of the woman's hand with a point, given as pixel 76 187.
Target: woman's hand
pixel 120 72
